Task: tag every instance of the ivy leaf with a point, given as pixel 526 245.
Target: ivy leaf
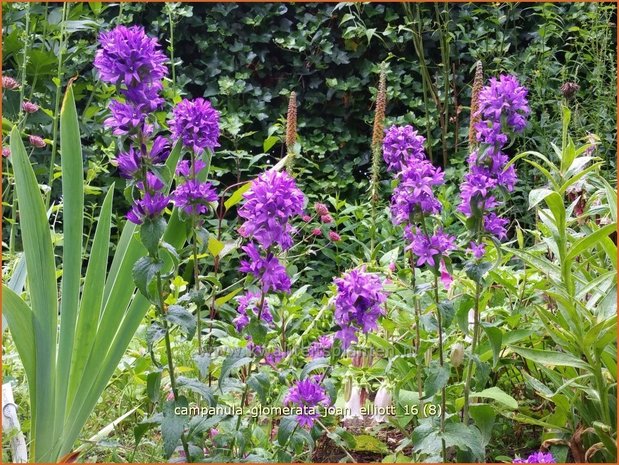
pixel 181 317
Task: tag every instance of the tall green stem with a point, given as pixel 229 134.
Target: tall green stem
pixel 56 121
pixel 469 366
pixel 441 360
pixel 417 335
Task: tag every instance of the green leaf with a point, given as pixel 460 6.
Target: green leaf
pixel 436 378
pixel 483 415
pixel 286 426
pixel 151 232
pixel 476 271
pixel 260 383
pixel 269 142
pixel 590 240
pixel 237 196
pixel 233 361
pixel 495 336
pixel 367 443
pixel 153 385
pixel 197 387
pixel 447 310
pixel 315 364
pixel 497 394
pixel 73 226
pixel 19 317
pixel 550 358
pixel 229 296
pixel 182 318
pixel 172 425
pixel 40 262
pixel 144 272
pixel 215 246
pixel 203 362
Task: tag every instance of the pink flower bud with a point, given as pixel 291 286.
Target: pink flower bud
pixel 335 237
pixel 306 218
pixel 392 266
pixel 36 141
pixel 29 107
pixel 446 278
pixel 170 396
pixel 9 83
pixel 316 232
pixel 326 219
pixel 6 152
pixel 321 209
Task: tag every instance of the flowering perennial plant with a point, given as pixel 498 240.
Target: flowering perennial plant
pixel 196 124
pixel 358 304
pixel 537 457
pixel 503 108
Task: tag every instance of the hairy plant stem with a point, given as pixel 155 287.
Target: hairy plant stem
pixel 56 121
pixel 168 346
pixel 441 360
pixel 469 365
pixel 417 334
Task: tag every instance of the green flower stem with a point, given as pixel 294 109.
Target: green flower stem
pixel 469 365
pixel 56 121
pixel 441 360
pixel 417 333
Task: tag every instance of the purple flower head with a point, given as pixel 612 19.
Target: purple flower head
pixel 429 250
pixel 36 141
pixel 495 225
pixel 505 98
pixel 477 187
pixel 129 163
pixel 318 348
pixel 145 97
pixel 308 395
pixel 271 202
pixel 194 197
pixel 414 193
pixel 30 107
pixel 478 250
pixel 184 167
pixel 150 206
pixel 358 304
pixel 401 145
pixel 274 357
pixel 251 301
pixel 269 271
pixel 127 55
pixel 196 123
pixel 537 457
pixel 490 132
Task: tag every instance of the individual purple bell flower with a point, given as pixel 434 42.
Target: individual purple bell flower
pixel 129 163
pixel 495 225
pixel 194 197
pixel 478 250
pixel 429 250
pixel 160 150
pixel 184 167
pixel 126 118
pixel 127 55
pixel 318 348
pixel 308 395
pixel 414 192
pixel 153 183
pixel 196 124
pixel 268 270
pixel 270 203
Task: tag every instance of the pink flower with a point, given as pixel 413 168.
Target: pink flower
pixel 37 141
pixel 316 232
pixel 335 237
pixel 6 152
pixel 306 218
pixel 326 219
pixel 321 209
pixel 9 83
pixel 29 107
pixel 446 278
pixel 392 266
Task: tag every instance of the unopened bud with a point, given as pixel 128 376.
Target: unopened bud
pixel 457 355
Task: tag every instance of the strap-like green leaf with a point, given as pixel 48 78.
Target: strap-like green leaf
pixel 72 228
pixel 92 296
pixel 40 262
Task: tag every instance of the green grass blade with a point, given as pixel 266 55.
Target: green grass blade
pixel 92 296
pixel 73 225
pixel 37 243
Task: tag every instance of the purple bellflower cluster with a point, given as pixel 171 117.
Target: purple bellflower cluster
pixel 251 302
pixel 272 201
pixel 308 396
pixel 503 108
pixel 537 457
pixel 358 304
pixel 134 63
pixel 413 198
